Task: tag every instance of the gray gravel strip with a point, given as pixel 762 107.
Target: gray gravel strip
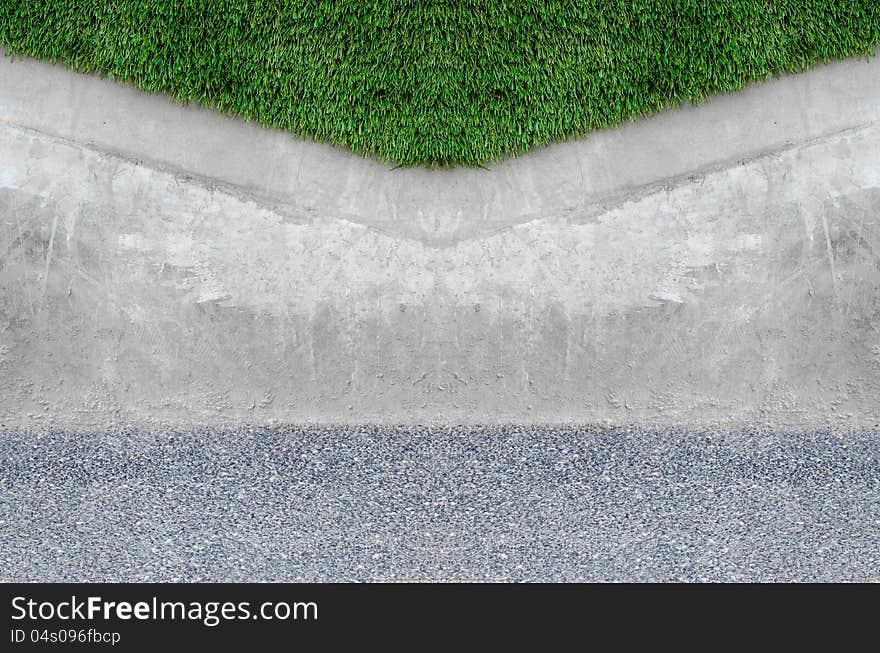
pixel 456 503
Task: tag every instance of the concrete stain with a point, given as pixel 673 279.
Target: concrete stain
pixel 725 299
pixel 730 277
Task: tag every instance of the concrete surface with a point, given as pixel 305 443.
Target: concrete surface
pixel 162 265
pixel 391 504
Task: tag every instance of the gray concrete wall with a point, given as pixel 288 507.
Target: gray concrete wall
pixel 717 264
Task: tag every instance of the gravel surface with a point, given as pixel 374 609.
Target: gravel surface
pixel 456 503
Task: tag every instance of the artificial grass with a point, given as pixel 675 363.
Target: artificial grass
pixel 440 81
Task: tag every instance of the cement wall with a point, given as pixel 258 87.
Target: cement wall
pixel 162 264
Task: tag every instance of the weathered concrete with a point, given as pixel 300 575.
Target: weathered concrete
pixel 716 264
pixel 306 180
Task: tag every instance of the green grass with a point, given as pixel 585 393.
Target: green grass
pixel 440 82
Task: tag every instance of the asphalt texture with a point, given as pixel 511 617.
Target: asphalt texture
pixel 443 504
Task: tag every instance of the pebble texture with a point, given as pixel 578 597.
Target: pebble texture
pixel 417 503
